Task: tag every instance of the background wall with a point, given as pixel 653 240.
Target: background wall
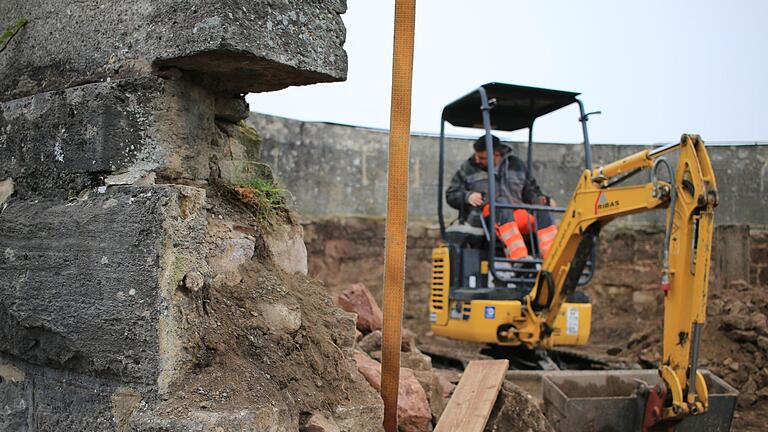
pixel 337 170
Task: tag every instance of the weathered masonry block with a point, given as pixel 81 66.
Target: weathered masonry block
pixel 58 143
pixel 77 291
pixel 240 45
pixel 88 311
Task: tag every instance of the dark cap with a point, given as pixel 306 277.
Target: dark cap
pixel 480 146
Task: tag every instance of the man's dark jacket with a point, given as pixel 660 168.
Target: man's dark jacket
pixel 512 183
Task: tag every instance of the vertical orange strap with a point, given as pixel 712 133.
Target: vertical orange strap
pixel 397 206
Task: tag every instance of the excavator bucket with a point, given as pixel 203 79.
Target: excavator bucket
pixel 602 401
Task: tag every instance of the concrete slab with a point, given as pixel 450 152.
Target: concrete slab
pixel 244 45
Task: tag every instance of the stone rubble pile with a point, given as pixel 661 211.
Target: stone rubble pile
pixel 424 390
pixel 734 346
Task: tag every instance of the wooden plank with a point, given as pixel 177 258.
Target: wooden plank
pixel 473 399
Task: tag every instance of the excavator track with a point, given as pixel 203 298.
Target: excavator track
pixel 552 359
pixel 578 360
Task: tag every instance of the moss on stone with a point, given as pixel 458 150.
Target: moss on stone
pixel 251 140
pixel 11 31
pixel 268 199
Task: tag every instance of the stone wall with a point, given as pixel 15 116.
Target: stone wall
pixel 140 263
pixel 336 170
pixel 343 251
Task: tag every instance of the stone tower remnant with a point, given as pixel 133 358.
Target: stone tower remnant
pixel 140 288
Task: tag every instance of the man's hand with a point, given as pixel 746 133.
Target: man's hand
pixel 475 199
pixel 543 201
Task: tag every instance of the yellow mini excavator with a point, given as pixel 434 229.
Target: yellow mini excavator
pixel 479 295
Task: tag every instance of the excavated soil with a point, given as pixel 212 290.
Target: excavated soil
pixel 258 348
pixel 613 387
pixel 733 344
pixel 265 339
pixel 516 410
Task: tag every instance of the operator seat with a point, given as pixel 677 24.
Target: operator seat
pixel 465 235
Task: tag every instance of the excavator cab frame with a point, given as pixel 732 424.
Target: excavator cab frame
pixel 506 107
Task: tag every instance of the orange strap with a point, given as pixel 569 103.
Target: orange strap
pixel 397 206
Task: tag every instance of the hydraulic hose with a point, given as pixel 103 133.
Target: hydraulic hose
pixel 668 233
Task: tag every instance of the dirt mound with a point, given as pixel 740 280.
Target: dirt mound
pixel 516 410
pixel 272 340
pixel 257 342
pixel 267 348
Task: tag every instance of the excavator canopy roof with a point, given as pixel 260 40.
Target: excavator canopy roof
pixel 516 106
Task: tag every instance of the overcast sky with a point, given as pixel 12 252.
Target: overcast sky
pixel 654 68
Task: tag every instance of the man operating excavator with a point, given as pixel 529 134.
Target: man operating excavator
pixel 468 193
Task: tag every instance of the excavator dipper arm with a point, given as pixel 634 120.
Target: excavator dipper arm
pixel 689 197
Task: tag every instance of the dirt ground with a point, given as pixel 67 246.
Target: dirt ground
pixel 733 345
pixel 627 303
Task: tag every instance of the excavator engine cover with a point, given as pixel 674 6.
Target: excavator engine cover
pixel 461 309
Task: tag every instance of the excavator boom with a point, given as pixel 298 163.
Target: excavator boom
pixel 689 195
